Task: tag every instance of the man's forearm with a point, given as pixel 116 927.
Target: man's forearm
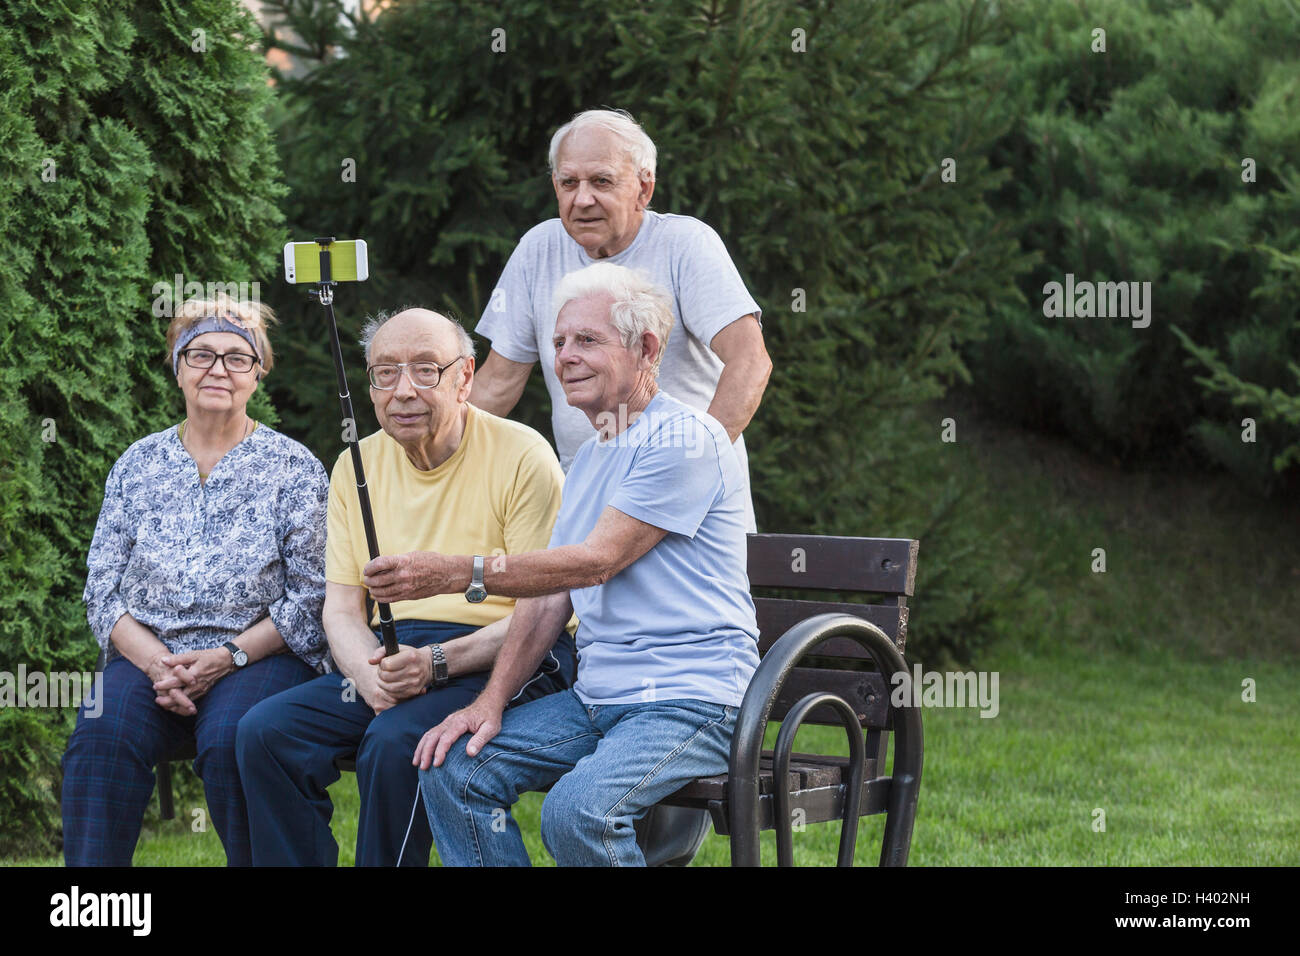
pixel 536 573
pixel 478 651
pixel 498 384
pixel 488 395
pixel 615 542
pixel 351 641
pixel 533 574
pixel 740 389
pixel 534 628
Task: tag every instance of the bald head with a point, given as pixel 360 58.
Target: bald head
pixel 424 403
pixel 414 326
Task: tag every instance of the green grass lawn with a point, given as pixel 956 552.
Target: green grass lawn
pixel 1186 772
pixel 1119 691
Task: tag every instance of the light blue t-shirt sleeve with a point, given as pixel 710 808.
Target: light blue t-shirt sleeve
pixel 710 292
pixel 673 483
pixel 508 321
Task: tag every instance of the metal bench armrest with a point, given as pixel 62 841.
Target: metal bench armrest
pixel 755 709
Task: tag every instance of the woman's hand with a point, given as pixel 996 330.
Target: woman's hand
pixel 189 676
pixel 171 697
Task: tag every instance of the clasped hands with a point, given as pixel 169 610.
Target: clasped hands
pixel 181 679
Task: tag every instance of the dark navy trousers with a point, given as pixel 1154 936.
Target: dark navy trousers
pixel 287 746
pixel 108 768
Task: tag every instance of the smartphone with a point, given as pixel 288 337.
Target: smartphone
pixel 347 261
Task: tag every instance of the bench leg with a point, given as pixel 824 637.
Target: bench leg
pixel 904 789
pixel 166 808
pixel 744 845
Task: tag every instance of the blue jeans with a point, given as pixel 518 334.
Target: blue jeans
pixel 609 764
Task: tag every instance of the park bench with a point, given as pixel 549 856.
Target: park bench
pixel 827 663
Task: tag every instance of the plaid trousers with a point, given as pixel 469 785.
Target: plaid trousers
pixel 108 768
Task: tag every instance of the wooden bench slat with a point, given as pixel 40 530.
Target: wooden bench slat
pixel 865 691
pixel 821 805
pixel 826 563
pixel 807 772
pixel 778 615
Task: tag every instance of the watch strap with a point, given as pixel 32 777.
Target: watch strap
pixel 476 593
pixel 440 677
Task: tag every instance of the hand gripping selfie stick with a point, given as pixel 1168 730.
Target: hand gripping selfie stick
pixel 324 291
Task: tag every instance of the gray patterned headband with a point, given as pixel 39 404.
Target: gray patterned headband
pixel 212 323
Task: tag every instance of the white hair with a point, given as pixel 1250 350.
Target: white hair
pixel 639 147
pixel 639 305
pixel 381 318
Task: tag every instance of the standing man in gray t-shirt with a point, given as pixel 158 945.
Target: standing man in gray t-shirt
pixel 603 171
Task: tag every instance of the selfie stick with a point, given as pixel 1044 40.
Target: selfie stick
pixel 325 292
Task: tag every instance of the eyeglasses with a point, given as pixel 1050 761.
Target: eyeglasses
pixel 421 374
pixel 206 358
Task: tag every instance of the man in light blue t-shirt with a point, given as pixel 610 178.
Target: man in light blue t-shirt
pixel 603 171
pixel 649 549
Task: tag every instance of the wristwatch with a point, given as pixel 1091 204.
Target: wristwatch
pixel 241 658
pixel 475 593
pixel 440 678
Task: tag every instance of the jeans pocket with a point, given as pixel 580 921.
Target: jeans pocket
pixel 718 713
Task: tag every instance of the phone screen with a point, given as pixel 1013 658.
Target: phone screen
pixel 348 261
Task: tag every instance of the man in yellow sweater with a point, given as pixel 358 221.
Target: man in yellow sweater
pixel 442 476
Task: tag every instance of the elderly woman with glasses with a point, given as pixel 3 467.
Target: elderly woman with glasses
pixel 205 587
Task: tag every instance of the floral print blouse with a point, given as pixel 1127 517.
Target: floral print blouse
pixel 199 563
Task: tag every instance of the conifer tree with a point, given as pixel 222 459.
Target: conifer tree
pixel 836 148
pixel 1149 142
pixel 135 148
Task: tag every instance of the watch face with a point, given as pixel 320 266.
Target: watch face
pixel 475 595
pixel 241 659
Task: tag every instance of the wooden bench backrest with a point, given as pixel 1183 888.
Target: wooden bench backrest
pixel 884 567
